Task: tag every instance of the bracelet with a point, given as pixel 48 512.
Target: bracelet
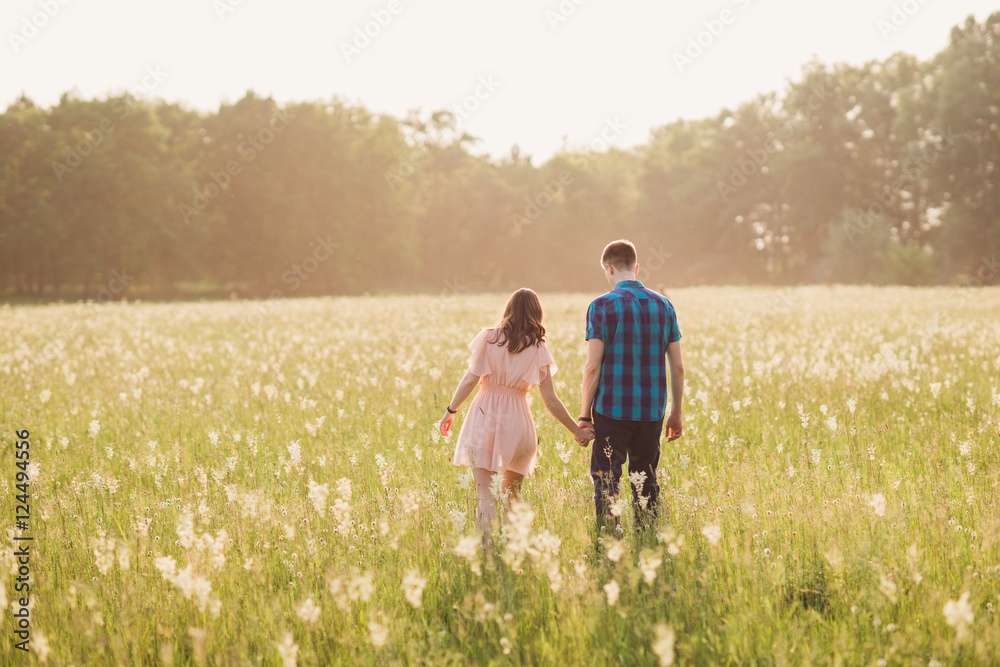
pixel 450 411
pixel 585 419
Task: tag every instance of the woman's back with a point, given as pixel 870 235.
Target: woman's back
pixel 495 364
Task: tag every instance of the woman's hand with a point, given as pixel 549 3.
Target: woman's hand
pixel 584 433
pixel 446 422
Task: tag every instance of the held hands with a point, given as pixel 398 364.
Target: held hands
pixel 674 426
pixel 584 433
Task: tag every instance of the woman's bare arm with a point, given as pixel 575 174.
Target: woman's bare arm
pixel 462 391
pixel 556 407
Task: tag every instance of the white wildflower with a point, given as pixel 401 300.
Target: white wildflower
pixel 413 588
pixel 308 611
pixel 517 531
pixel 104 552
pixel 361 587
pixel 288 650
pixel 468 548
pixel 887 587
pixel 378 634
pixel 185 529
pixel 663 644
pixel 616 550
pixel 612 590
pixel 318 494
pixel 295 454
pixel 40 646
pixel 617 506
pixel 958 613
pixel 167 566
pixel 877 503
pixel 649 561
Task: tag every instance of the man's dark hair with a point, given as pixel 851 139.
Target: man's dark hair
pixel 619 254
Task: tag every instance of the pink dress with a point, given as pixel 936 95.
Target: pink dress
pixel 498 432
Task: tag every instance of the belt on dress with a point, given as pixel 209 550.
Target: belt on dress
pixel 503 389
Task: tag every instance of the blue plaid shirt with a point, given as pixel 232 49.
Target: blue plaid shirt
pixel 636 324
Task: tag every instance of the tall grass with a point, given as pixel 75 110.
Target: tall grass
pixel 834 493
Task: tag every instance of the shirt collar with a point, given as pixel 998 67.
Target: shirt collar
pixel 629 283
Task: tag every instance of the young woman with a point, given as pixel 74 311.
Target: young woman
pixel 498 434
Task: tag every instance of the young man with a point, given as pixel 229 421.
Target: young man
pixel 632 335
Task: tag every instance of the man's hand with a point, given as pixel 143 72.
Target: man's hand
pixel 586 434
pixel 674 427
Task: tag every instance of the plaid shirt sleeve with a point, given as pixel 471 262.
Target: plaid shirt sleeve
pixel 672 332
pixel 596 326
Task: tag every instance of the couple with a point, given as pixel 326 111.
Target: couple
pixel 632 336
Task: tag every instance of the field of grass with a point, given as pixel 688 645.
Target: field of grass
pixel 233 483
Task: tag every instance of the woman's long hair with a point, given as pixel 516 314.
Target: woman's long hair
pixel 521 324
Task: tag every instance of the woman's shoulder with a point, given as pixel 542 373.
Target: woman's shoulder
pixel 485 335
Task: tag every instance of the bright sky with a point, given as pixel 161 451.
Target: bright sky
pixel 548 83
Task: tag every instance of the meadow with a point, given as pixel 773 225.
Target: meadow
pixel 262 483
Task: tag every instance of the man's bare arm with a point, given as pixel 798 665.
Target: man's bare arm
pixel 674 422
pixel 591 375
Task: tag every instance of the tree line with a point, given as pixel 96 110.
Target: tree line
pixel 887 172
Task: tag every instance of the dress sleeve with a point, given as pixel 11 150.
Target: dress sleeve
pixel 478 362
pixel 544 363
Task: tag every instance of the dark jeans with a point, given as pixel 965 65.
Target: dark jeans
pixel 614 441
